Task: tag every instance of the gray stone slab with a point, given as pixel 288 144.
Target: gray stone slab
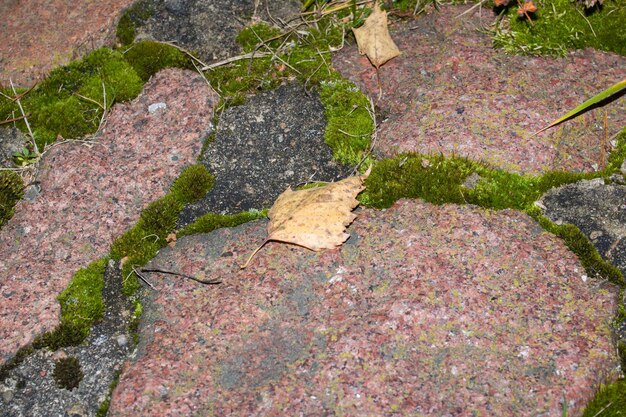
pixel 598 210
pixel 209 27
pixel 274 141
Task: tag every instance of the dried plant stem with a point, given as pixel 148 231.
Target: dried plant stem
pixel 232 59
pixel 15 119
pixel 30 132
pixel 178 274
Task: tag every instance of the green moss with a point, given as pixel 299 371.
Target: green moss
pixel 67 373
pixel 578 243
pixel 55 106
pixel 252 36
pixel 81 306
pixel 211 221
pixel 349 125
pixel 435 179
pixel 561 25
pixel 142 242
pixel 11 191
pixel 135 15
pixel 194 182
pixel 148 57
pixel 610 401
pixel 159 218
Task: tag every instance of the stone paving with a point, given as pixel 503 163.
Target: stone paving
pixel 426 310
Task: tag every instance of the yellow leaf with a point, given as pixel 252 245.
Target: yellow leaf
pixel 315 218
pixel 373 38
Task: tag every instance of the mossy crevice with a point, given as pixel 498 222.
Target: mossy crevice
pixel 141 243
pixel 11 191
pixel 81 307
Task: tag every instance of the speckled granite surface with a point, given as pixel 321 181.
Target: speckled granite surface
pixel 37 35
pixel 451 92
pixel 426 310
pixel 91 195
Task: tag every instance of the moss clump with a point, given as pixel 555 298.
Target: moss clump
pixel 148 57
pixel 135 15
pixel 142 242
pixel 81 306
pixel 251 37
pixel 211 221
pixel 67 373
pixel 438 179
pixel 435 179
pixel 70 101
pixel 350 126
pixel 561 25
pixel 194 182
pixel 11 191
pixel 610 401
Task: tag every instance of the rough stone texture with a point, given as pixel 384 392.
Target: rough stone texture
pixel 598 210
pixel 37 35
pixel 451 92
pixel 273 141
pixel 209 27
pixel 11 140
pixel 30 389
pixel 426 310
pixel 90 195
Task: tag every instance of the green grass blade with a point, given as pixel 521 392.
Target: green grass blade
pixel 592 101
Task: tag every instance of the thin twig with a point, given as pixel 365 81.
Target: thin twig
pixel 601 411
pixel 178 274
pixel 143 278
pixel 15 119
pixel 272 52
pixel 372 112
pixel 232 59
pixel 479 4
pixel 30 132
pixel 89 100
pixel 589 23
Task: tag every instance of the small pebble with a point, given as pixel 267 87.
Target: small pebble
pixel 153 108
pixel 121 340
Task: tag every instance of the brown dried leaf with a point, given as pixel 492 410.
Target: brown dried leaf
pixel 373 38
pixel 171 240
pixel 315 218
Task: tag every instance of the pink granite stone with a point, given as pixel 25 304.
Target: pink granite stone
pixel 450 92
pixel 426 310
pixel 37 35
pixel 90 194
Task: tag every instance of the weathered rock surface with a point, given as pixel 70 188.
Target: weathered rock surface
pixel 450 92
pixel 273 141
pixel 11 140
pixel 31 388
pixel 91 194
pixel 209 27
pixel 38 35
pixel 598 210
pixel 426 310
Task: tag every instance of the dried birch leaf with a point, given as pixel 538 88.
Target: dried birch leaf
pixel 316 218
pixel 373 38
